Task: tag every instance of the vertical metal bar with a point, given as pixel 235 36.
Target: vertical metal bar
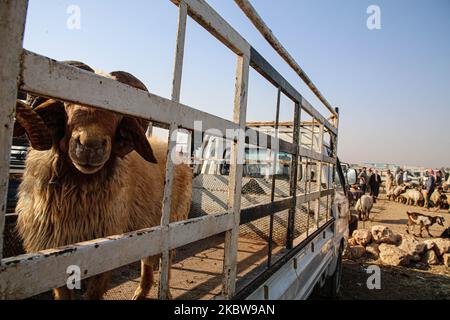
pixel 179 51
pixel 310 167
pixel 319 175
pixel 329 167
pixel 237 158
pixel 334 153
pixel 163 292
pixel 274 166
pixel 12 25
pixel 293 182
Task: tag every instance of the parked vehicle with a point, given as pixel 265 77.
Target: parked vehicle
pixel 288 199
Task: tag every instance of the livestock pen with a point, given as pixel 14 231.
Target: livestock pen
pixel 254 224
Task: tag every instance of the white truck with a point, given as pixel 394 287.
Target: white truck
pixel 272 227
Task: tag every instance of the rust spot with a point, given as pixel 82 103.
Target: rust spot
pixel 58 253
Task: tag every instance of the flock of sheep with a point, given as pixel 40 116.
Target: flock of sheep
pixel 417 196
pixel 92 173
pixel 406 194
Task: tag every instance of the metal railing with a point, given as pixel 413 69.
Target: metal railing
pixel 27 275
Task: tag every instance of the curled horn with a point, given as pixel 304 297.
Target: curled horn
pixel 40 118
pixel 129 79
pixel 27 120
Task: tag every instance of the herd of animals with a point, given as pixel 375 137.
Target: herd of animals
pixel 413 196
pixel 92 173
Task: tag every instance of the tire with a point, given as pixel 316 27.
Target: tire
pixel 332 285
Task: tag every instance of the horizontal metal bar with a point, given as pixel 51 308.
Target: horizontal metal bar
pixel 260 64
pixel 262 210
pixel 259 23
pixel 30 274
pixel 259 211
pixel 49 78
pixel 207 17
pixel 304 152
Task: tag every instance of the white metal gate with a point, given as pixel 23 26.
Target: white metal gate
pixel 27 275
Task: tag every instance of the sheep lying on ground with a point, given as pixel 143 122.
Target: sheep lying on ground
pixel 363 207
pixel 423 221
pixel 98 176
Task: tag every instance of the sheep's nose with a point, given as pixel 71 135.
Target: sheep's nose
pixel 92 150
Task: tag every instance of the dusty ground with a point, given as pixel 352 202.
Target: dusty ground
pixel 417 282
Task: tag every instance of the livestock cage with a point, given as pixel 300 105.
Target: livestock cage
pixel 253 220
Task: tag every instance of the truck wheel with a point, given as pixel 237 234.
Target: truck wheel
pixel 332 284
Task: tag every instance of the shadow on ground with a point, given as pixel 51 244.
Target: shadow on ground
pixel 396 282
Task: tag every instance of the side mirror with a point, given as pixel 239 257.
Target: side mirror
pixel 351 176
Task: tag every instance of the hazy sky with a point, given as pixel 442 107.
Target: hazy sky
pixel 392 85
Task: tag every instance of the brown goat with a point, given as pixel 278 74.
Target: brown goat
pixel 91 183
pixel 423 221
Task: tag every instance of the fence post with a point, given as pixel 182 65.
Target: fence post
pixel 274 169
pixel 12 17
pixel 319 172
pixel 163 292
pixel 293 175
pixel 237 158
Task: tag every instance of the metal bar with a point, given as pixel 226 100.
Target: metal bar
pixel 204 14
pixel 235 178
pixel 274 166
pixel 179 51
pixel 259 23
pixel 293 182
pixel 47 268
pixel 319 174
pixel 12 25
pixel 49 78
pixel 163 292
pixel 164 289
pixel 259 211
pixel 329 167
pixel 264 68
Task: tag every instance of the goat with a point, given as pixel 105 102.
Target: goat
pixel 96 175
pixel 364 206
pixel 423 221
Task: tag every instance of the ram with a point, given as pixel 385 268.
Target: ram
pixel 93 173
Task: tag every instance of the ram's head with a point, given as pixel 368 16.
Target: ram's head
pixel 89 137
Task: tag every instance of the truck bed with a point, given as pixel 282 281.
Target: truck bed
pixel 197 269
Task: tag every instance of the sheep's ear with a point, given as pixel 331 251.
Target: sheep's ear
pixel 54 115
pixel 131 136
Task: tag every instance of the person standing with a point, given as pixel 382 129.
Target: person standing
pixel 406 177
pixel 430 187
pixel 399 177
pixel 374 184
pixel 389 181
pixel 362 178
pixel 438 178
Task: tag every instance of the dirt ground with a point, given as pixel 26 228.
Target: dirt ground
pixel 415 282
